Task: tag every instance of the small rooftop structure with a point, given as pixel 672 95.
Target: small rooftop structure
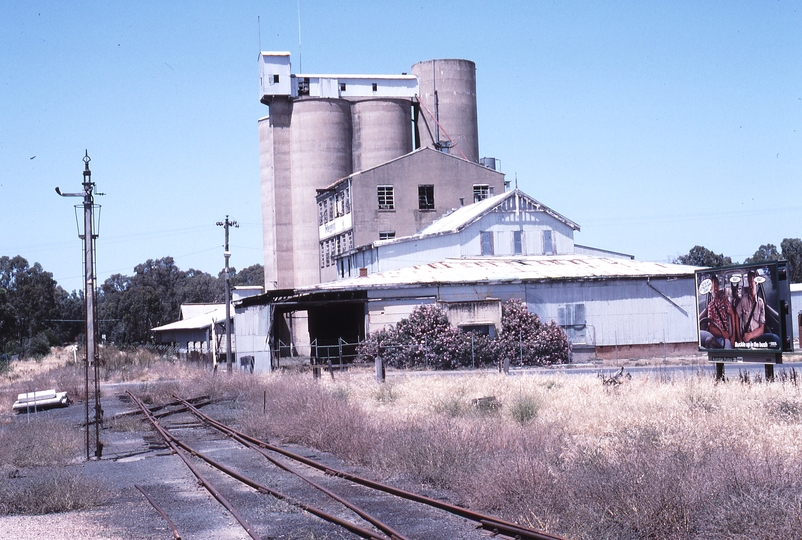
pixel 277 80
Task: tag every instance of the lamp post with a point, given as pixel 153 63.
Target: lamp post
pixel 89 237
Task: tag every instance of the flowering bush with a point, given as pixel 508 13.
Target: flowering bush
pixel 427 339
pixel 526 341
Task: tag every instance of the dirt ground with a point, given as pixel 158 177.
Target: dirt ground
pixel 135 457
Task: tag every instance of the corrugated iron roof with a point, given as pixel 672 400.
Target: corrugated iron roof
pixel 203 320
pixel 511 269
pixel 193 310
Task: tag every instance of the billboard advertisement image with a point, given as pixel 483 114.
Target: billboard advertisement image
pixel 740 308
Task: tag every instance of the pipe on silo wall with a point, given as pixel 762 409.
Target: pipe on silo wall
pixel 455 83
pixel 382 131
pixel 320 149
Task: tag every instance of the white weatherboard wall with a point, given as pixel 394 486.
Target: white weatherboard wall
pixel 425 248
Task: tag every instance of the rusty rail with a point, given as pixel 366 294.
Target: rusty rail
pixel 487 522
pixel 161 512
pixel 178 446
pixel 348 504
pixel 170 440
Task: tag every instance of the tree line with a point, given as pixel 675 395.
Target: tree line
pixel 790 250
pixel 37 313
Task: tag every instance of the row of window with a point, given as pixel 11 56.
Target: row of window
pixel 303 85
pixel 487 247
pixel 386 196
pixel 334 246
pixel 334 206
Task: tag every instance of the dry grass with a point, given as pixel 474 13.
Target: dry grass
pixel 49 491
pixel 658 457
pixel 661 456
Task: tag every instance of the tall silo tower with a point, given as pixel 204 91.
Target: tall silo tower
pixel 320 154
pixel 447 94
pixel 382 131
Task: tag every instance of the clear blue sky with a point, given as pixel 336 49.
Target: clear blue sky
pixel 654 125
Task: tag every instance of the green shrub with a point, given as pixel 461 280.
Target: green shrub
pixel 524 408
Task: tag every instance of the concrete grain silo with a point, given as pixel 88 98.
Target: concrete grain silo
pixel 320 153
pixel 382 131
pixel 454 82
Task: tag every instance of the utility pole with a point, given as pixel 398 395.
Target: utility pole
pixel 89 292
pixel 227 255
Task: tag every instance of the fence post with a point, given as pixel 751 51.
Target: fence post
pixel 315 368
pixel 380 372
pixel 473 360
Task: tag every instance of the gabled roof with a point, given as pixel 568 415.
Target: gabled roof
pixel 466 215
pixel 411 155
pixel 193 310
pixel 213 314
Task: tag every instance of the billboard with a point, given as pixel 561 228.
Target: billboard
pixel 744 310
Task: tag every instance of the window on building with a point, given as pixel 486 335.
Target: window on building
pixel 320 220
pixel 342 87
pixel 303 87
pixel 548 243
pixel 517 242
pixel 481 192
pixel 487 242
pixel 386 235
pixel 339 204
pixel 386 199
pixel 275 79
pixel 347 199
pixel 375 87
pixel 426 197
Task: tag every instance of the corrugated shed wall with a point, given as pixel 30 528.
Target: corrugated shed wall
pixel 600 312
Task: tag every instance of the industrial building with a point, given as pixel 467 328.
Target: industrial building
pixel 375 201
pixel 469 262
pixel 609 307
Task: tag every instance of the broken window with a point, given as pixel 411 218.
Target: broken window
pixel 426 197
pixel 481 192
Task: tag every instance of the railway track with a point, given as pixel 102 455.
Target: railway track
pixel 358 506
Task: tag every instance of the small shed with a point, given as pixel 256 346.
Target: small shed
pixel 199 334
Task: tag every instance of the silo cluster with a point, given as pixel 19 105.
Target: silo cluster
pixel 322 128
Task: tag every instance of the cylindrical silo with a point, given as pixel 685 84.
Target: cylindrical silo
pixel 455 84
pixel 320 149
pixel 382 130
